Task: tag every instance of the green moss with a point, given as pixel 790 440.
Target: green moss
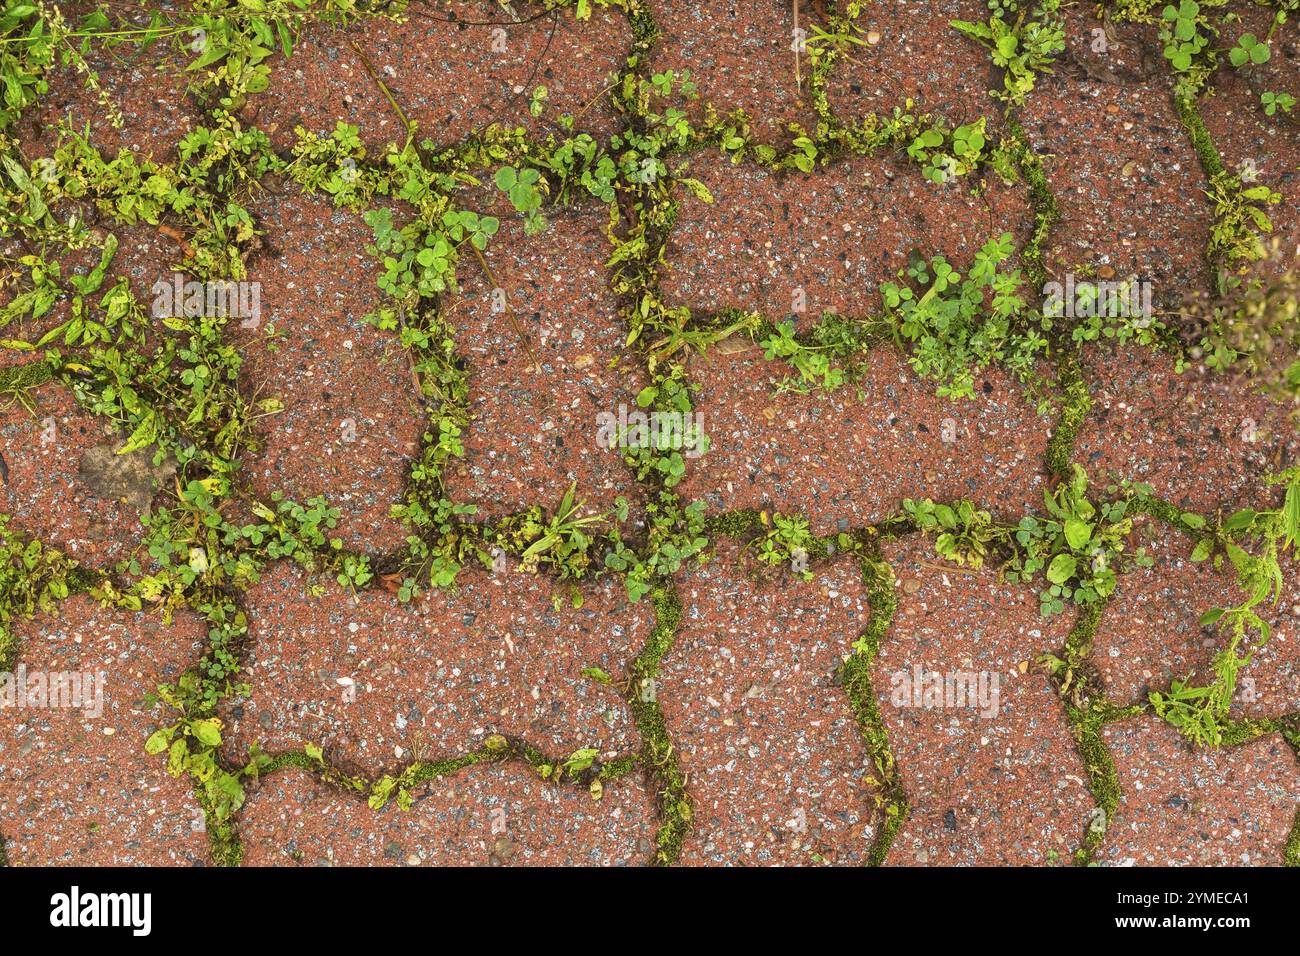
pixel 1163 511
pixel 855 677
pixel 1103 778
pixel 18 380
pixel 741 523
pixel 1087 714
pixel 1291 852
pixel 1239 732
pixel 1076 402
pixel 659 756
pixel 1047 212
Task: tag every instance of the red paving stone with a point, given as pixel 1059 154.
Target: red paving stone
pixel 483 816
pixel 1263 149
pixel 434 678
pixel 739 56
pixel 46 493
pixel 998 783
pixel 497 66
pixel 352 421
pixel 1129 185
pixel 775 762
pixel 1150 634
pixel 848 458
pixel 534 433
pixel 1199 441
pixel 155 108
pixel 76 787
pixel 835 234
pixel 1180 807
pixel 912 52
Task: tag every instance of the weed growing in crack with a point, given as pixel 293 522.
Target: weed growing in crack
pixel 1022 47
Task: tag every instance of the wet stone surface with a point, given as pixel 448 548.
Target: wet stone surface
pixel 778 762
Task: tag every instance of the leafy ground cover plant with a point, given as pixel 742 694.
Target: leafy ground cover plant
pixel 1023 38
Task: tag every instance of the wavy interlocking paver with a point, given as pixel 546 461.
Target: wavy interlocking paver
pixel 1126 177
pixel 740 57
pixel 911 52
pixel 1199 441
pixel 533 431
pixel 351 421
pixel 152 106
pixel 1267 154
pixel 1199 808
pixel 1151 633
pixel 993 778
pixel 454 68
pixel 773 758
pixel 45 490
pixel 76 787
pixel 800 245
pixel 379 683
pixel 489 816
pixel 847 458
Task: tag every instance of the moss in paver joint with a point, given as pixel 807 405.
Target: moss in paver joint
pixel 1290 729
pixel 663 769
pixel 856 679
pixel 1087 713
pixel 1103 778
pixel 1047 212
pixel 1075 404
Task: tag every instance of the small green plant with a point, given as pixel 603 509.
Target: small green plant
pixel 1201 712
pixel 1077 546
pixel 1240 221
pixel 787 540
pixel 676 536
pixel 1249 49
pixel 813 363
pixel 524 187
pixel 1023 48
pixel 1255 326
pixel 418 262
pixel 1272 102
pixel 537 102
pixel 965 535
pixel 944 156
pixel 945 318
pixel 562 543
pixel 1183 32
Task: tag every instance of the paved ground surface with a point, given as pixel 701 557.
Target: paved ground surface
pixel 779 763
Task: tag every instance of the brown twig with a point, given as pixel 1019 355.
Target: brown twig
pixel 365 61
pixel 510 311
pixel 798 76
pixel 948 567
